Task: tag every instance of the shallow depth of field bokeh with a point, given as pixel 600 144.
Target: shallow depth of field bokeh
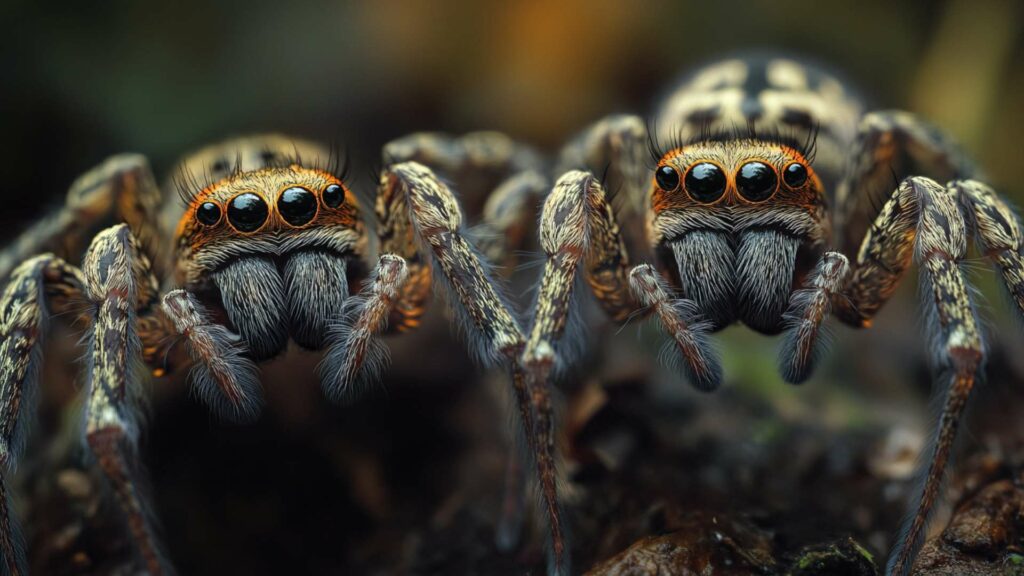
pixel 82 81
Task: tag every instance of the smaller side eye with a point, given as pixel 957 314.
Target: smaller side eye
pixel 667 178
pixel 208 213
pixel 795 175
pixel 333 196
pixel 705 182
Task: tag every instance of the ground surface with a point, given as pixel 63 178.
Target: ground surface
pixel 663 480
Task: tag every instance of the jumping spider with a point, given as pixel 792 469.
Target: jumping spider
pixel 267 249
pixel 738 212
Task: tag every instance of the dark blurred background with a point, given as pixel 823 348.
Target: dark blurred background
pixel 81 81
pixel 84 80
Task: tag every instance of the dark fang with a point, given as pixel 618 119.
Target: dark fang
pixel 705 182
pixel 333 195
pixel 208 213
pixel 297 206
pixel 756 181
pixel 247 212
pixel 795 175
pixel 667 178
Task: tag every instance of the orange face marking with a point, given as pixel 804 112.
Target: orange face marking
pixel 730 158
pixel 250 204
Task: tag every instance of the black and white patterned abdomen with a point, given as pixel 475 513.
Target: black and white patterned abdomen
pixel 778 98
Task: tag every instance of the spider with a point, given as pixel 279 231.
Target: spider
pixel 271 247
pixel 759 210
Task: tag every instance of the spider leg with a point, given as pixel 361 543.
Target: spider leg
pixel 225 379
pixel 808 308
pixel 923 221
pixel 119 284
pixel 120 189
pixel 358 357
pixel 615 147
pixel 508 218
pixel 890 145
pixel 484 164
pixel 39 287
pixel 420 221
pixel 998 234
pixel 578 227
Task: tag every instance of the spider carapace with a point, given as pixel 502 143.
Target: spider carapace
pixel 765 194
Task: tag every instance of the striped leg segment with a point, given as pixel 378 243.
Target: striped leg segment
pixel 121 188
pixel 923 222
pixel 808 308
pixel 222 375
pixel 358 357
pixel 118 284
pixel 616 148
pixel 419 205
pixel 38 288
pixel 998 234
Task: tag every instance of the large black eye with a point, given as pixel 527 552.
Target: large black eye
pixel 333 196
pixel 247 212
pixel 667 178
pixel 756 181
pixel 795 175
pixel 705 182
pixel 297 205
pixel 208 213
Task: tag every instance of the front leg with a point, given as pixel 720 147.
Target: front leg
pixel 923 222
pixel 118 283
pixel 120 189
pixel 39 288
pixel 578 230
pixel 420 225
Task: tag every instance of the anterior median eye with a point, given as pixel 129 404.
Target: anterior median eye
pixel 247 212
pixel 297 205
pixel 705 182
pixel 756 181
pixel 208 213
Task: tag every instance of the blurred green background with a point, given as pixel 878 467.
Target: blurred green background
pixel 84 80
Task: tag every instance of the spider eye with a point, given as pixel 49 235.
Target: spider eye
pixel 795 175
pixel 333 196
pixel 247 212
pixel 705 182
pixel 667 178
pixel 297 205
pixel 756 181
pixel 208 213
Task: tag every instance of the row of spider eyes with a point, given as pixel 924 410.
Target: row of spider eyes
pixel 705 182
pixel 248 211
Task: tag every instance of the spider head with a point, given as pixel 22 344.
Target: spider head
pixel 267 249
pixel 738 220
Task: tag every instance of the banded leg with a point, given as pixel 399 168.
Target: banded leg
pixel 890 145
pixel 578 226
pixel 223 377
pixel 358 357
pixel 39 288
pixel 923 221
pixel 118 284
pixel 616 148
pixel 808 308
pixel 490 166
pixel 998 234
pixel 120 189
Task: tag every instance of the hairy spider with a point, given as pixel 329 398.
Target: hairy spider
pixel 738 213
pixel 270 247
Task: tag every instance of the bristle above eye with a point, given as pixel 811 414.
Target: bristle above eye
pixel 805 144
